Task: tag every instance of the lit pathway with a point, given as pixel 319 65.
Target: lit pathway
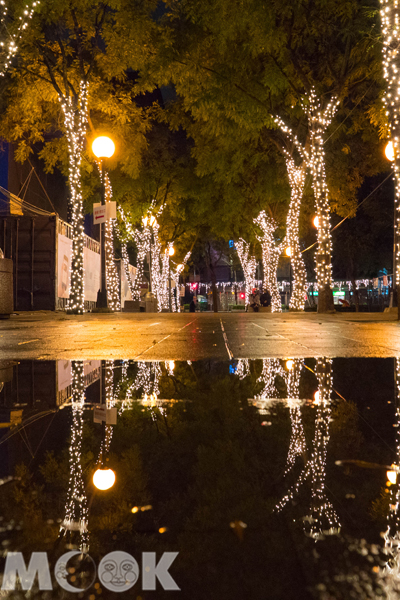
pixel 197 336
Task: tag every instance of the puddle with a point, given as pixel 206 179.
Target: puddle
pixel 244 479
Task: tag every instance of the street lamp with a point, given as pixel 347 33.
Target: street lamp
pixel 389 151
pixel 103 479
pixel 103 147
pixel 316 222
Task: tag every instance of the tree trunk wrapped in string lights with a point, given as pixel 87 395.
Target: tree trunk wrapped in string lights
pixel 297 444
pixel 390 18
pixel 319 120
pixel 142 241
pixel 296 180
pixel 76 509
pixel 112 279
pixel 75 120
pixel 390 574
pixel 271 252
pixel 125 262
pixel 176 306
pixel 322 519
pixel 248 265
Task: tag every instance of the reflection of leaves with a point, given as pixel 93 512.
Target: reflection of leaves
pixel 346 438
pixel 380 508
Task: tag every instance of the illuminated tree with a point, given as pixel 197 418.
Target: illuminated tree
pixel 390 17
pixel 248 265
pixel 271 252
pixel 322 519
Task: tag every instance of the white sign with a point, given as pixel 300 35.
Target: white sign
pixel 104 212
pixel 63 265
pixel 92 268
pixel 99 213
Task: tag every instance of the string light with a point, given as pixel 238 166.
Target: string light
pixel 322 519
pixel 112 279
pixel 248 265
pixel 270 257
pixel 76 509
pixel 390 18
pixel 75 120
pixel 10 49
pixel 296 181
pixel 142 241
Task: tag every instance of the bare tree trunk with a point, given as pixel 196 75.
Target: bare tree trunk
pixel 214 289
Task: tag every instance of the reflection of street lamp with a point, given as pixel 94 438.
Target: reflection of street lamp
pixel 103 147
pixel 103 479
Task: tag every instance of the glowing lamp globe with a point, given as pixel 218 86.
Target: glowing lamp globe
pixel 316 222
pixel 171 364
pixel 392 476
pixel 389 151
pixel 104 479
pixel 171 250
pixel 288 251
pixel 316 397
pixel 289 365
pixel 103 147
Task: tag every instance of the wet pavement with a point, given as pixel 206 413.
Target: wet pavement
pixel 198 336
pixel 260 478
pixel 256 456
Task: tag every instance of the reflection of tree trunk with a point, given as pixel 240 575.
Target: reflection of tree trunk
pixel 211 265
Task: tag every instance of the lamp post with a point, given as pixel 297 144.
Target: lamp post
pixel 102 147
pixel 171 252
pixel 389 153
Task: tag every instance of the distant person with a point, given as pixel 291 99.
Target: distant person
pixel 192 306
pixel 265 299
pixel 255 300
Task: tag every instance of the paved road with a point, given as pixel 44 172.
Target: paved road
pixel 197 336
